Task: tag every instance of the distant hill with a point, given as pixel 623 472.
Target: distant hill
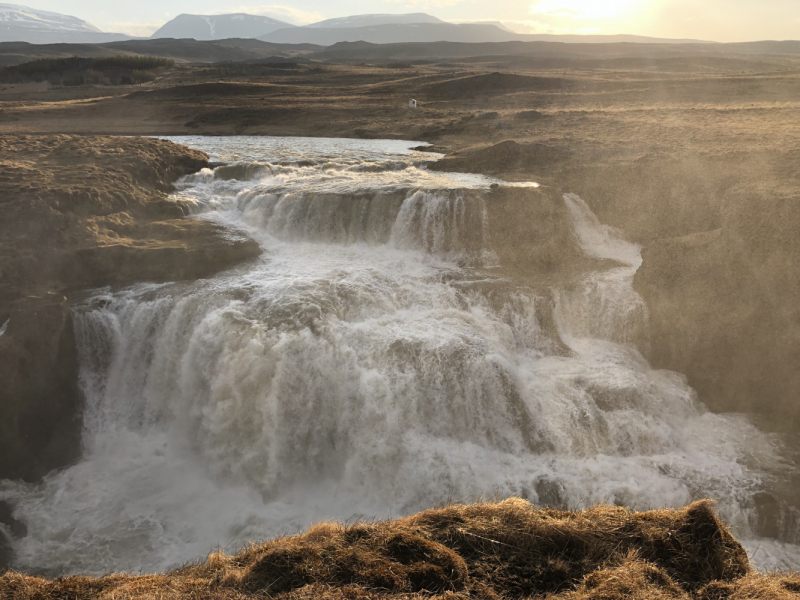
pixel 364 51
pixel 219 27
pixel 24 24
pixel 392 34
pixel 189 51
pixel 372 20
pixel 603 39
pixel 422 28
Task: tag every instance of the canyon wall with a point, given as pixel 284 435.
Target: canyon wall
pixel 720 270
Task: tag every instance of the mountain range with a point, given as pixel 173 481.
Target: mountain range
pixel 372 20
pixel 220 27
pixel 392 33
pixel 23 24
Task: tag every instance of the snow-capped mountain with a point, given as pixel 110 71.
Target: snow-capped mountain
pixel 24 24
pixel 219 27
pixel 372 20
pixel 385 29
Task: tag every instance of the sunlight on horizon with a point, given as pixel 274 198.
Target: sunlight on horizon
pixel 587 9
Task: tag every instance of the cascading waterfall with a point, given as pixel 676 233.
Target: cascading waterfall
pixel 369 364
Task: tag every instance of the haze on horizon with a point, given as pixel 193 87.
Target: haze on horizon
pixel 717 20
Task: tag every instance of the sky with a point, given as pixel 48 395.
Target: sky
pixel 717 20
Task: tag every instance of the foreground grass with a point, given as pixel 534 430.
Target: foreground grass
pixel 488 551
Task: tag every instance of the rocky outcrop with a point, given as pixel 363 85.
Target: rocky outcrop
pixel 75 213
pixel 531 232
pixel 725 305
pixel 503 158
pixel 720 256
pixel 40 402
pixel 719 273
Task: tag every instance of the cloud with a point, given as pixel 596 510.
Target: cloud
pixel 130 28
pixel 284 13
pixel 425 4
pixel 533 26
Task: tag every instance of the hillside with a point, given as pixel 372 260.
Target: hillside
pixel 187 50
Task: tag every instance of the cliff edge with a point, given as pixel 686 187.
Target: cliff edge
pixel 75 213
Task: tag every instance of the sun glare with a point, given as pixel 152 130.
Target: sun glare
pixel 583 9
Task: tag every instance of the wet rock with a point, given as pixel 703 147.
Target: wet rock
pixel 531 232
pixel 529 116
pixel 9 528
pixel 40 402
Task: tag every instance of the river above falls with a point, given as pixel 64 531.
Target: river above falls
pixel 376 360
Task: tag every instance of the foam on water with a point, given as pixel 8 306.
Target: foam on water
pixel 368 365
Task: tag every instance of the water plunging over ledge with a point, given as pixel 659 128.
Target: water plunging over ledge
pixel 373 362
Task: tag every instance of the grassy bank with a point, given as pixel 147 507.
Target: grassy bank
pixel 495 550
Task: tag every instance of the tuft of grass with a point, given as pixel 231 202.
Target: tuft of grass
pixel 488 551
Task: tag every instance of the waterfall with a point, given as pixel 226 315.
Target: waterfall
pixel 368 364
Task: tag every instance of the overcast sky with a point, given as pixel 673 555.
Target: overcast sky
pixel 720 20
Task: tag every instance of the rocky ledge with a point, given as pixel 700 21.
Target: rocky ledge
pixel 75 213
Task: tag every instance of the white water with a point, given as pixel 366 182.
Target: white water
pixel 368 364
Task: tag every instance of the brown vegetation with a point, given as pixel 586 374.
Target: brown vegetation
pixel 495 83
pixel 489 551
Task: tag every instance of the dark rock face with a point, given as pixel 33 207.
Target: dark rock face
pixel 725 306
pixel 531 232
pixel 39 397
pixel 15 529
pixel 720 270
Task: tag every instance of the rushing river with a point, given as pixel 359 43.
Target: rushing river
pixel 373 362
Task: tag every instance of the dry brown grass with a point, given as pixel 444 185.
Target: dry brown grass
pixel 493 550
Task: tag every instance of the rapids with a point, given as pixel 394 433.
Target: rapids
pixel 373 362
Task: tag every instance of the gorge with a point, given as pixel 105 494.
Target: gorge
pixel 402 337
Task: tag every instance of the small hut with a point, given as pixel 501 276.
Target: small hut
pixel 412 104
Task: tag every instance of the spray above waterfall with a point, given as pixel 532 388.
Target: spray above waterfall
pixel 374 361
